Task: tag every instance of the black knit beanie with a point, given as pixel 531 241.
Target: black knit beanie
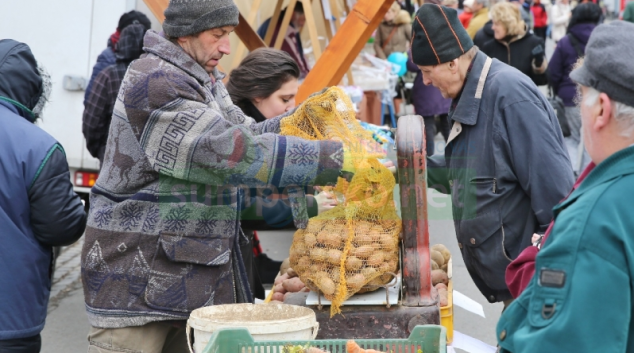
pixel 187 17
pixel 133 17
pixel 438 36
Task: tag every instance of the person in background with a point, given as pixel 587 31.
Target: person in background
pixel 292 43
pixel 431 105
pixel 451 3
pixel 525 11
pixel 588 257
pixel 560 16
pixel 540 17
pixel 38 207
pixel 100 104
pixel 628 13
pixel 394 33
pixel 480 10
pixel 107 56
pixel 514 45
pixel 505 163
pixel 484 35
pixel 571 47
pixel 163 235
pixel 467 13
pixel 407 6
pixel 264 86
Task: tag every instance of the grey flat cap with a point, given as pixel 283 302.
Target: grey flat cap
pixel 187 17
pixel 609 63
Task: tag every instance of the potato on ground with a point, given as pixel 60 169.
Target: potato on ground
pixel 277 296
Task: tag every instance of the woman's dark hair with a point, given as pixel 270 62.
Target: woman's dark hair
pixel 260 74
pixel 585 13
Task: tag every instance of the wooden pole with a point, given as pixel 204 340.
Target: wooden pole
pixel 157 7
pixel 365 17
pixel 239 53
pixel 273 23
pixel 312 28
pixel 286 21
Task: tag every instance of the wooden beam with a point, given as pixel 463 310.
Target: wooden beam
pixel 286 21
pixel 365 17
pixel 273 23
pixel 247 35
pixel 157 7
pixel 239 52
pixel 326 21
pixel 312 28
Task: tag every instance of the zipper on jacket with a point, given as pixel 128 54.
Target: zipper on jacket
pixel 495 185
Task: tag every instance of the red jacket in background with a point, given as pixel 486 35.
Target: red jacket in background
pixel 521 270
pixel 540 15
pixel 465 18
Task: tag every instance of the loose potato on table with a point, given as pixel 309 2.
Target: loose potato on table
pixel 439 276
pixel 293 285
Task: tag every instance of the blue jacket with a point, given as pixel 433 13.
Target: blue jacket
pixel 581 298
pixel 506 167
pixel 38 208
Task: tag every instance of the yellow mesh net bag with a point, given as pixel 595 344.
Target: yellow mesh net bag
pixel 353 247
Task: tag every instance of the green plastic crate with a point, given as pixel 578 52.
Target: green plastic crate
pixel 424 338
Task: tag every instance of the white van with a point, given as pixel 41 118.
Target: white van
pixel 66 37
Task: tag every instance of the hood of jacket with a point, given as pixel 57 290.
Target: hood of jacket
pixel 488 28
pixel 130 44
pixel 402 17
pixel 21 82
pixel 582 31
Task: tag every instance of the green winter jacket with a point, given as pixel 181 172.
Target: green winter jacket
pixel 628 15
pixel 580 299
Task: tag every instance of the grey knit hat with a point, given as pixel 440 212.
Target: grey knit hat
pixel 187 17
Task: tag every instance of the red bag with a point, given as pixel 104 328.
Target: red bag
pixel 520 271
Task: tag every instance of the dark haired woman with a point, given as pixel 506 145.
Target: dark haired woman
pixel 264 86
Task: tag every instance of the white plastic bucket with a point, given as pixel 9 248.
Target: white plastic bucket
pixel 264 321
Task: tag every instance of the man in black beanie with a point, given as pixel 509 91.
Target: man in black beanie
pixel 505 163
pixel 108 56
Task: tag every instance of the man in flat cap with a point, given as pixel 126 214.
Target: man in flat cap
pixel 505 163
pixel 163 235
pixel 581 298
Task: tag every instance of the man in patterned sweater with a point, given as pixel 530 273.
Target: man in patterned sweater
pixel 163 230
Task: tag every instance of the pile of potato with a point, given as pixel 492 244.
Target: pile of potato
pixel 440 256
pixel 317 251
pixel 285 283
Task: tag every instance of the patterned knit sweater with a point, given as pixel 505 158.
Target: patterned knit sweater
pixel 163 227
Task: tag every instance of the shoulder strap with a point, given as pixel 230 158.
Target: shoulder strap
pixel 389 37
pixel 575 43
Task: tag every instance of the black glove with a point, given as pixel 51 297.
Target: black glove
pixel 538 55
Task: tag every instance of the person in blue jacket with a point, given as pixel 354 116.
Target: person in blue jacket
pixel 38 208
pixel 581 297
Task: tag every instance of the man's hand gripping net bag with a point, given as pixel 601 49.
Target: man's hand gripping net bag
pixel 353 247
